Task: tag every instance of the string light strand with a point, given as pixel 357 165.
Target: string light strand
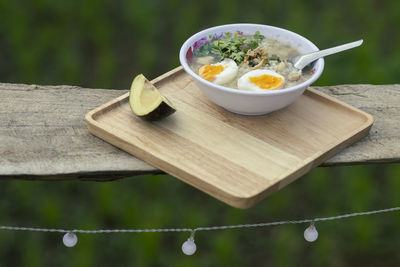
pixel 189 247
pixel 210 228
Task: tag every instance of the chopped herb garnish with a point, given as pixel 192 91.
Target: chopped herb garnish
pixel 234 46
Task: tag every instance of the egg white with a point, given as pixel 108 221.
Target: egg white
pixel 244 82
pixel 228 74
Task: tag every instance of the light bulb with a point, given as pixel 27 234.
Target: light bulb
pixel 189 247
pixel 70 239
pixel 311 233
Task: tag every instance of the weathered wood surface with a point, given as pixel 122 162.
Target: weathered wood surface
pixel 43 134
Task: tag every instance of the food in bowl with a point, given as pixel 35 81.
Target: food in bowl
pixel 249 102
pixel 249 62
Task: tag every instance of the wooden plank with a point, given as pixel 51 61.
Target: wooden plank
pixel 43 133
pixel 382 145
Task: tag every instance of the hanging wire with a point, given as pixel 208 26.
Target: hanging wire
pixel 192 231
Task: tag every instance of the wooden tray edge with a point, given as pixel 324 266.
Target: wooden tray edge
pixel 351 137
pixel 369 117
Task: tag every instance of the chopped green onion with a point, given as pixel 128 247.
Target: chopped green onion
pixel 275 58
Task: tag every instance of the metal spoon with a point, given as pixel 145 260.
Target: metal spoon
pixel 299 62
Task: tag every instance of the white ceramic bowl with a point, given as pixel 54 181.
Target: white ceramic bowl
pixel 250 102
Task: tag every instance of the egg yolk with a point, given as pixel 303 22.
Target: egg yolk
pixel 266 81
pixel 208 72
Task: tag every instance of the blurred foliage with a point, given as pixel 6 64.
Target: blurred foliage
pixel 103 44
pixel 161 201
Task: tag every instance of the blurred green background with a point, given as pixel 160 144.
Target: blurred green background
pixel 104 44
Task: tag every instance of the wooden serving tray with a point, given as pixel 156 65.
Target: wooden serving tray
pixel 234 158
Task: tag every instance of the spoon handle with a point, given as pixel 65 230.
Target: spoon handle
pixel 300 62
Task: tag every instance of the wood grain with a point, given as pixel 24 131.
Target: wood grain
pixel 237 159
pixel 43 134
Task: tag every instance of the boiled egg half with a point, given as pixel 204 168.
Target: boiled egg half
pixel 260 79
pixel 221 72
